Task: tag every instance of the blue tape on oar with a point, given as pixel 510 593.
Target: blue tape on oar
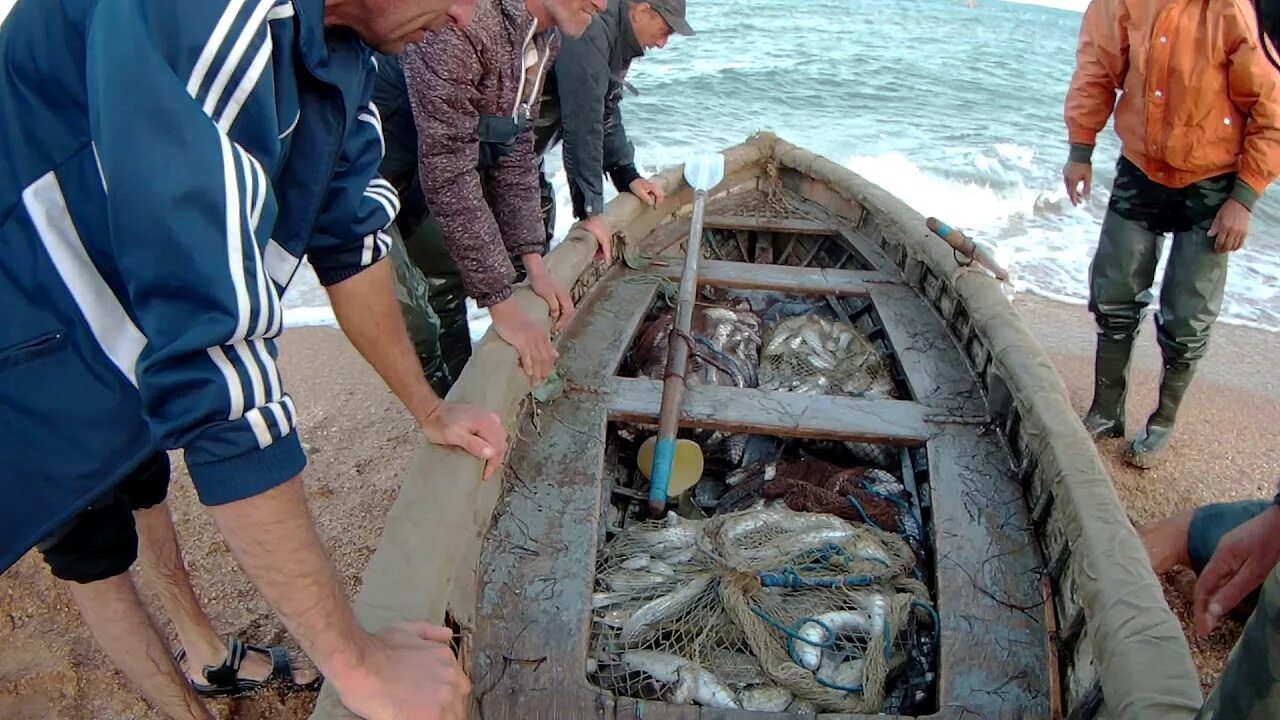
pixel 664 454
pixel 943 229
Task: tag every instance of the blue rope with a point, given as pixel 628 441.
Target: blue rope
pixel 789 578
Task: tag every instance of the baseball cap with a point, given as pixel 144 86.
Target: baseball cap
pixel 673 12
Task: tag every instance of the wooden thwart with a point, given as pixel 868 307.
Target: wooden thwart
pixel 781 278
pixel 786 225
pixel 786 414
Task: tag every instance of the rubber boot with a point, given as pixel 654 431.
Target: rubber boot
pixel 1149 447
pixel 1105 417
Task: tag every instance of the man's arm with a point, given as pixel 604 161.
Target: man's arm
pixel 1254 89
pixel 349 241
pixel 582 81
pixel 1102 61
pixel 177 138
pixel 441 75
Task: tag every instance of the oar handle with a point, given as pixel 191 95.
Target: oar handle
pixel 963 245
pixel 673 382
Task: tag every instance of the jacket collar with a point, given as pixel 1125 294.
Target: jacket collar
pixel 627 42
pixel 331 54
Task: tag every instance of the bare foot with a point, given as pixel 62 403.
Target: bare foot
pixel 255 666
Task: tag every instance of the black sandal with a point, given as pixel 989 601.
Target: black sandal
pixel 225 681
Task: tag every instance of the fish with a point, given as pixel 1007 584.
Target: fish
pixel 845 675
pixel 661 666
pixel 606 599
pixel 737 668
pixel 703 687
pixel 636 562
pixel 664 608
pixel 661 568
pixel 770 698
pixel 632 581
pixel 615 617
pixel 814 632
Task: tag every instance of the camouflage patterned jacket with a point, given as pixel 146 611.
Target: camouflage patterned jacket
pixel 471 103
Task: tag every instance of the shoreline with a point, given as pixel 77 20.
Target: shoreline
pixel 360 441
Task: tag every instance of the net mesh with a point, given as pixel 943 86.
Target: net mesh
pixel 816 355
pixel 764 609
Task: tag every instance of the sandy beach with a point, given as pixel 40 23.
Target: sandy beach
pixel 360 440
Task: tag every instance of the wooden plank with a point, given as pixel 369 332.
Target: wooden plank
pixel 538 572
pixel 993 636
pixel 749 410
pixel 936 370
pixel 605 326
pixel 770 224
pixel 782 278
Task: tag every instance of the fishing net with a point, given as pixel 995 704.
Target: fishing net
pixel 765 609
pixel 816 355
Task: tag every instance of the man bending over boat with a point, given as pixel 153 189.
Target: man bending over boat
pixel 581 107
pixel 167 165
pixel 1199 120
pixel 474 94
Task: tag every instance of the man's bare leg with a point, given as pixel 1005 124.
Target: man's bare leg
pixel 161 560
pixel 120 623
pixel 1166 541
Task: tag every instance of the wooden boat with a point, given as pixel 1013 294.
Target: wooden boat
pixel 1047 605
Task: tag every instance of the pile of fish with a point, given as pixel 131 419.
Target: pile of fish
pixel 725 351
pixel 664 628
pixel 814 354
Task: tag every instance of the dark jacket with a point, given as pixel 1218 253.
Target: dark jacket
pixel 233 144
pixel 463 87
pixel 581 107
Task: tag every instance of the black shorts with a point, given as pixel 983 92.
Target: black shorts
pixel 102 541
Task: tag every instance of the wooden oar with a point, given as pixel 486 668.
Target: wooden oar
pixel 963 245
pixel 702 172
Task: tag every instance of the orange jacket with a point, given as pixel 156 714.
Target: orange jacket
pixel 1198 96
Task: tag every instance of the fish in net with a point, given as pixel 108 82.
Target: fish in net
pixel 819 356
pixel 868 495
pixel 766 609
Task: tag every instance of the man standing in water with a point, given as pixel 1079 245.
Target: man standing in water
pixel 474 93
pixel 167 165
pixel 1199 120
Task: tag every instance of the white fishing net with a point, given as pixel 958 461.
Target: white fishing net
pixel 765 609
pixel 816 355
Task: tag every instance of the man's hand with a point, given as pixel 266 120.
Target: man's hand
pixel 408 673
pixel 532 343
pixel 559 303
pixel 477 431
pixel 603 234
pixel 647 190
pixel 1230 226
pixel 1077 177
pixel 1244 558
